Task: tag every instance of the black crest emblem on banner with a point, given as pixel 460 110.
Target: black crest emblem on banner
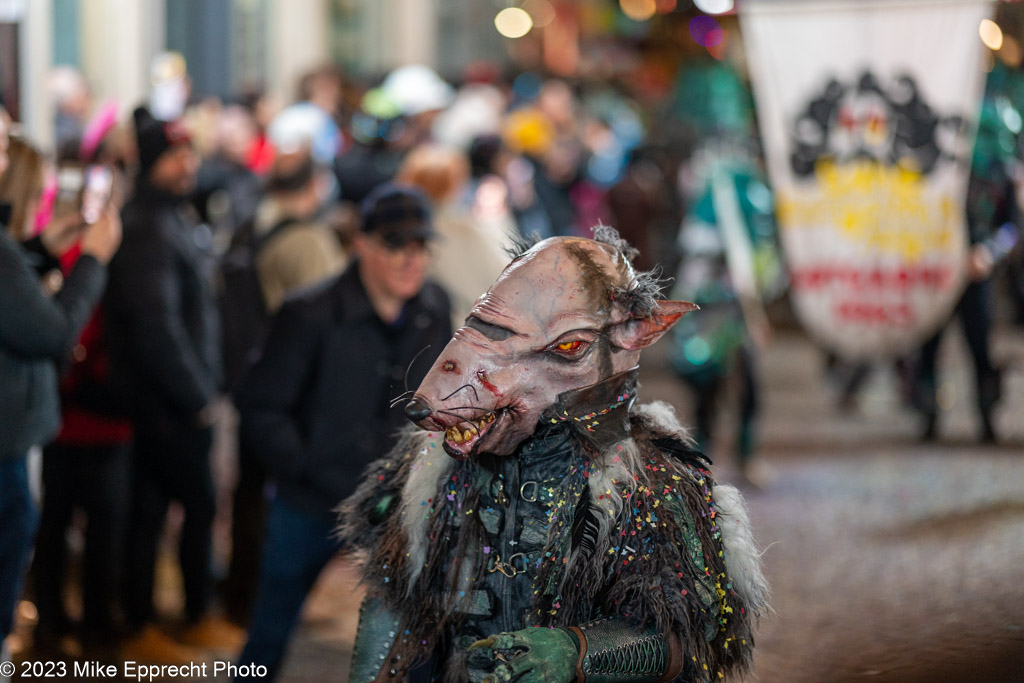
pixel 891 124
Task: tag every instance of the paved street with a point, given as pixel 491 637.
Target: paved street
pixel 890 560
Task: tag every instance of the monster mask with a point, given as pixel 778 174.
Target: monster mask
pixel 556 338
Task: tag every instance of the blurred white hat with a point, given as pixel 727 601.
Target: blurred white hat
pixel 305 124
pixel 477 110
pixel 417 89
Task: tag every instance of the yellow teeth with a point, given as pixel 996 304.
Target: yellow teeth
pixel 459 435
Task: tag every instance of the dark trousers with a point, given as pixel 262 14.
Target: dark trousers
pixel 94 479
pixel 172 462
pixel 707 387
pixel 248 530
pixel 974 311
pixel 298 547
pixel 18 519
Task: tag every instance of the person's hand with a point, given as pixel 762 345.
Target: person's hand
pixel 531 655
pixel 980 263
pixel 61 233
pixel 207 416
pixel 101 239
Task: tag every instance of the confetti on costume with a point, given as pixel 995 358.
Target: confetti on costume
pixel 543 526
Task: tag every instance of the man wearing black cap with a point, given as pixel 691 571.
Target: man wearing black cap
pixel 163 333
pixel 316 406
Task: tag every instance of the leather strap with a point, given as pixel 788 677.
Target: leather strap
pixel 675 658
pixel 582 637
pixel 375 644
pixel 385 674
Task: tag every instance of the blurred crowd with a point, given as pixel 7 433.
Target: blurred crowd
pixel 305 262
pixel 302 263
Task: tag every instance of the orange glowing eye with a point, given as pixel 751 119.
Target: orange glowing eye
pixel 570 345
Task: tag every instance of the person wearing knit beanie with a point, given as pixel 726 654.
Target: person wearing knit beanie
pixel 155 138
pixel 162 325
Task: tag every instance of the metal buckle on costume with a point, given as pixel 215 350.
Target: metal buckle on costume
pixel 536 488
pixel 507 568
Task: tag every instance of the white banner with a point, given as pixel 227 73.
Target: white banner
pixel 867 111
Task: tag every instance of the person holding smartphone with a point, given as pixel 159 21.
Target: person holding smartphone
pixel 86 469
pixel 36 333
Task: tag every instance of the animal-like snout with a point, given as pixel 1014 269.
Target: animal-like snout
pixel 418 410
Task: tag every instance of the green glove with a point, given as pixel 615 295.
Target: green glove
pixel 537 655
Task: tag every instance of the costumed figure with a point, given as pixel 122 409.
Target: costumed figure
pixel 993 217
pixel 731 266
pixel 542 526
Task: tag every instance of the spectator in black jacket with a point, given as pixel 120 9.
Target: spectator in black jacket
pixel 227 191
pixel 163 336
pixel 36 333
pixel 316 407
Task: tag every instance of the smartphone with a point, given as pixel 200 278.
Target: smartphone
pixel 98 184
pixel 70 181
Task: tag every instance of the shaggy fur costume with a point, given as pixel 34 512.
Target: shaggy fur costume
pixel 638 530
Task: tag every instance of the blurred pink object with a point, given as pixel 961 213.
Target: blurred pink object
pixel 46 201
pixel 97 128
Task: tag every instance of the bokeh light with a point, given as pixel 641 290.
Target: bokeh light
pixel 696 350
pixel 705 31
pixel 1010 116
pixel 513 22
pixel 527 85
pixel 638 10
pixel 542 12
pixel 1011 52
pixel 714 6
pixel 990 34
pixel 27 611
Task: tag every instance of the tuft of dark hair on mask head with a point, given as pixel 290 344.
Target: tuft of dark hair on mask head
pixel 519 245
pixel 641 296
pixel 606 234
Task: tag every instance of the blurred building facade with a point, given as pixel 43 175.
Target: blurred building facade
pixel 229 45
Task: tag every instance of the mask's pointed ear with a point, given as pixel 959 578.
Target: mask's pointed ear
pixel 637 333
